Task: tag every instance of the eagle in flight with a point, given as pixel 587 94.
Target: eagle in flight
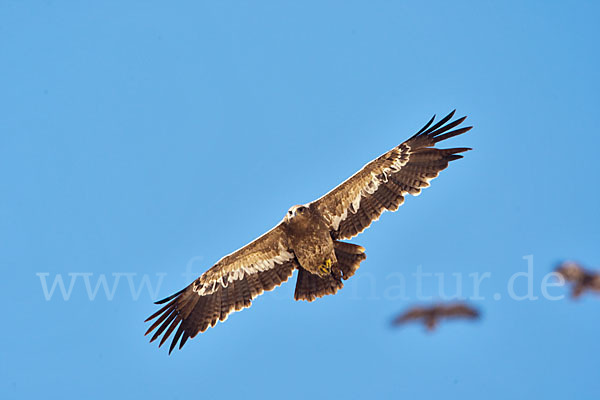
pixel 430 316
pixel 582 279
pixel 309 238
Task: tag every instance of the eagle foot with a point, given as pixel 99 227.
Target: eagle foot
pixel 325 268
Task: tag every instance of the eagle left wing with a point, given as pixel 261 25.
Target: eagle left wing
pixel 382 184
pixel 411 315
pixel 230 285
pixel 570 271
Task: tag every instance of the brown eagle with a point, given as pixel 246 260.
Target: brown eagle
pixel 581 278
pixel 430 315
pixel 309 238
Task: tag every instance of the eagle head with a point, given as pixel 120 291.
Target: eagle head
pixel 296 211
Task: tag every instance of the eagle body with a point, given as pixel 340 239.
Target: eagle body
pixel 309 239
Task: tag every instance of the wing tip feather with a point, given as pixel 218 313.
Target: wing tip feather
pixel 171 297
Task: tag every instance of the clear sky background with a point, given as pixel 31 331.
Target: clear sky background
pixel 140 140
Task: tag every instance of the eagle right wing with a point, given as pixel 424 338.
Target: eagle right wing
pixel 459 310
pixel 230 285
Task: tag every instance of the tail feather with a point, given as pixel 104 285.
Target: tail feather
pixel 310 286
pixel 349 257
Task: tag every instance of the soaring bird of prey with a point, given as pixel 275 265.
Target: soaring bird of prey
pixel 431 315
pixel 309 238
pixel 581 278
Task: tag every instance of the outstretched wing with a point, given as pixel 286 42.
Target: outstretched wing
pixel 459 310
pixel 571 271
pixel 595 283
pixel 382 184
pixel 411 315
pixel 230 285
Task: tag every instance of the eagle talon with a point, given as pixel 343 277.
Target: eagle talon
pixel 325 269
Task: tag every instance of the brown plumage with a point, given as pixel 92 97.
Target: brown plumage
pixel 581 279
pixel 430 316
pixel 308 238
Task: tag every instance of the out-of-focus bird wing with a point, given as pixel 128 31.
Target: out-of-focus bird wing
pixel 411 315
pixel 459 311
pixel 571 271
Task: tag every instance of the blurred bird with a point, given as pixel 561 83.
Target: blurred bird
pixel 581 278
pixel 430 315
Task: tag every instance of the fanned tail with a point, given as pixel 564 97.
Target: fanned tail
pixel 310 286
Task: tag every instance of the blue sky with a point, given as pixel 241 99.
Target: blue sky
pixel 143 141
